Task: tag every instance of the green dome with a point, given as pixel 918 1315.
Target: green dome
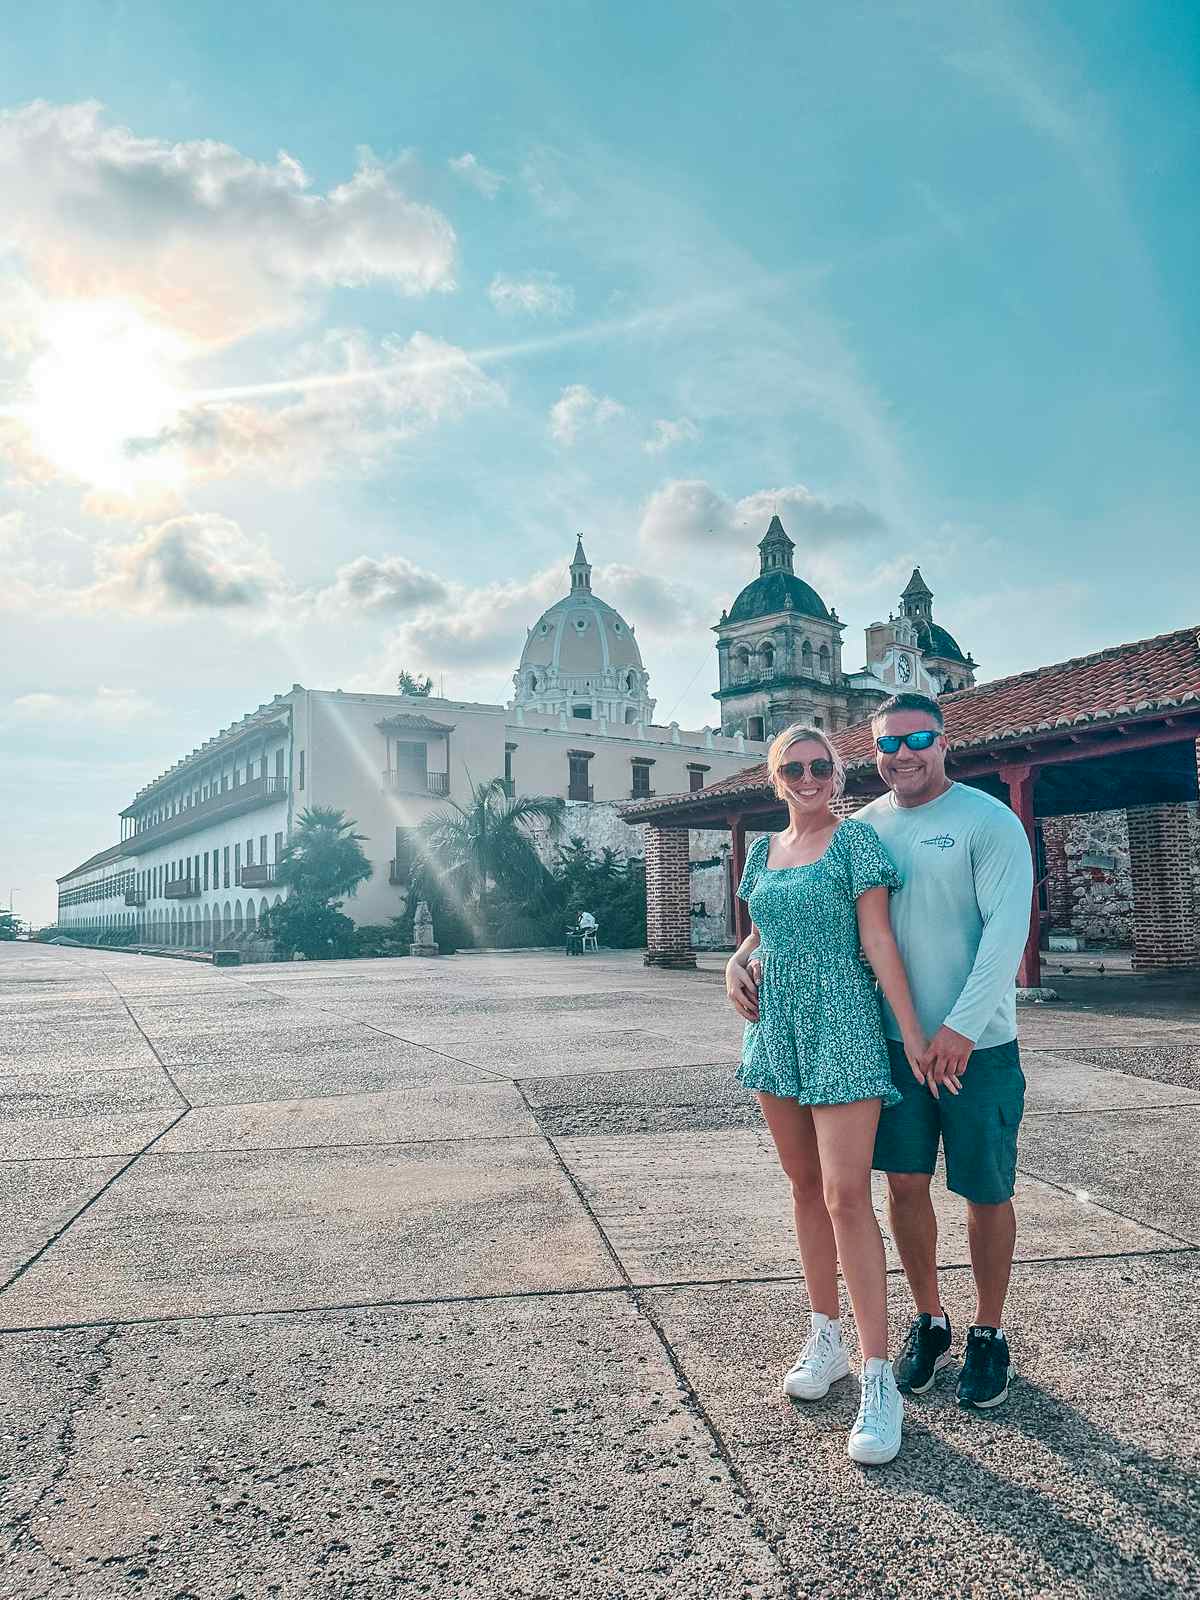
pixel 935 641
pixel 779 591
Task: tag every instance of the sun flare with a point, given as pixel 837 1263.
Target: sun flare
pixel 100 392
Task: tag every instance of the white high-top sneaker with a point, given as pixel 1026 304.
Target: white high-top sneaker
pixel 875 1436
pixel 820 1363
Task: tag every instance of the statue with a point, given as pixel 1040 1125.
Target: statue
pixel 423 943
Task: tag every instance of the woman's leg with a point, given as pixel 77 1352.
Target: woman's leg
pixel 845 1138
pixel 791 1128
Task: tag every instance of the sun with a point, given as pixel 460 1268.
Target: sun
pixel 102 397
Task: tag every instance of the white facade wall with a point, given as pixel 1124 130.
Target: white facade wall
pixel 326 748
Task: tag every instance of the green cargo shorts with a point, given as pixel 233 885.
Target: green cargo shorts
pixel 977 1127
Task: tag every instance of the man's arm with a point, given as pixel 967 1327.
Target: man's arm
pixel 1003 868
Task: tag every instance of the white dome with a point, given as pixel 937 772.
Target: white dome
pixel 581 658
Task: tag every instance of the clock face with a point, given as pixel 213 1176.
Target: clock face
pixel 903 668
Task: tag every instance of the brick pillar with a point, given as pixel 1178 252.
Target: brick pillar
pixel 1164 898
pixel 668 899
pixel 1058 871
pixel 1020 781
pixel 737 865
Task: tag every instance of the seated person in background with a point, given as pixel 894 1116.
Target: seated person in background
pixel 587 922
pixel 575 936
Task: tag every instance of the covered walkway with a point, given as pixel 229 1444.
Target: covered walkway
pixel 1115 729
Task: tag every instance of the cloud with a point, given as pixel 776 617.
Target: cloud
pixel 197 562
pixel 391 584
pixel 538 294
pixel 471 170
pixel 366 398
pixel 578 408
pixel 110 708
pixel 667 434
pixel 688 513
pixel 200 237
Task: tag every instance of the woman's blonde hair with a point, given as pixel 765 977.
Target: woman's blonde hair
pixel 793 735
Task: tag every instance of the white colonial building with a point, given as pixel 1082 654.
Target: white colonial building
pixel 196 861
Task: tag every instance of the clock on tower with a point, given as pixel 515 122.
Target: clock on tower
pixel 903 668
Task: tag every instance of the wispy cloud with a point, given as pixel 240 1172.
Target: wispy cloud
pixel 537 294
pixel 667 434
pixel 578 409
pixel 471 170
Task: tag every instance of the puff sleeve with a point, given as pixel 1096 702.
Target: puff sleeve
pixel 756 860
pixel 864 859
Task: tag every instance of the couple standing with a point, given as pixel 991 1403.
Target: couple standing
pixel 932 884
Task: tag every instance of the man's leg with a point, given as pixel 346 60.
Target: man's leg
pixel 914 1228
pixel 992 1236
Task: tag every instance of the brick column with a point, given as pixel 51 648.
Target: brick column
pixel 1164 898
pixel 1058 872
pixel 1020 781
pixel 668 899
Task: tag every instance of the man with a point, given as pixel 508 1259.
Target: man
pixel 575 936
pixel 961 921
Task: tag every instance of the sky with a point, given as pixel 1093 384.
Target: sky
pixel 324 330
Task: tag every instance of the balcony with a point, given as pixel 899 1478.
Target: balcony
pixel 257 877
pixel 642 794
pixel 217 808
pixel 580 791
pixel 135 897
pixel 399 873
pixel 182 889
pixel 417 782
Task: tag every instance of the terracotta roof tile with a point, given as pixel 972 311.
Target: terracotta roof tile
pixel 1125 680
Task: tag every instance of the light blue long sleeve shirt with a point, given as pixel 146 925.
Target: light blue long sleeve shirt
pixel 961 918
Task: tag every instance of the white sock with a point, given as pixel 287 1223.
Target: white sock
pixel 876 1364
pixel 834 1324
pixel 939 1321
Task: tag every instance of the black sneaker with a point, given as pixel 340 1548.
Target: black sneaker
pixel 983 1381
pixel 926 1351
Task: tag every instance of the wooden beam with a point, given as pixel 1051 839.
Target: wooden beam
pixel 1019 779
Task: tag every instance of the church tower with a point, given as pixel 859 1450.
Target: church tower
pixel 779 650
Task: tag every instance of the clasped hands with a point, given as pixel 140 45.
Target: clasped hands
pixel 938 1063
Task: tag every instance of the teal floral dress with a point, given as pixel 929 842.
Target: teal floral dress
pixel 819 1038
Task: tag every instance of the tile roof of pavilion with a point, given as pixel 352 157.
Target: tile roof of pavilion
pixel 1120 683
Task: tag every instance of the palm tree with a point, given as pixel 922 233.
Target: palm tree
pixel 487 843
pixel 324 858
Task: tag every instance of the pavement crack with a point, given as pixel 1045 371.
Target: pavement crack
pixel 22 1529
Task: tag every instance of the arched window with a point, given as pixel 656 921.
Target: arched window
pixel 806 656
pixel 823 658
pixel 631 681
pixel 768 656
pixel 741 661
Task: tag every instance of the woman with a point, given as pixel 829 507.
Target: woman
pixel 814 1050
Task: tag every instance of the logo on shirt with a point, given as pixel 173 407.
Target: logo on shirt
pixel 940 841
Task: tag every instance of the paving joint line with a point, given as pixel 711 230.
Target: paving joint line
pixel 88 1204
pixel 150 1045
pixel 664 1286
pixel 1113 1211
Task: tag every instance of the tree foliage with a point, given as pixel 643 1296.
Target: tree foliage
pixel 477 851
pixel 321 864
pixel 416 684
pixel 10 925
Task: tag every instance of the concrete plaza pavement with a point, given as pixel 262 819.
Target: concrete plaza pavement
pixel 475 1277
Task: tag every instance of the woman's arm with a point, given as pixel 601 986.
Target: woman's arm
pixel 879 947
pixel 739 985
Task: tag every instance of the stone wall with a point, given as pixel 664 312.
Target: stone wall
pixel 1090 882
pixel 600 827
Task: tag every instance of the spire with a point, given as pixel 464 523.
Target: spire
pixel 581 572
pixel 775 549
pixel 916 602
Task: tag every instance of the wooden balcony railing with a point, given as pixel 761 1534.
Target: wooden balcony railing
pixel 261 876
pixel 417 782
pixel 135 897
pixel 182 889
pixel 217 808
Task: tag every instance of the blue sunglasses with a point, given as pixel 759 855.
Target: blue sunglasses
pixel 889 743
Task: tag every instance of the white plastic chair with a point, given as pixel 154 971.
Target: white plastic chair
pixel 589 938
